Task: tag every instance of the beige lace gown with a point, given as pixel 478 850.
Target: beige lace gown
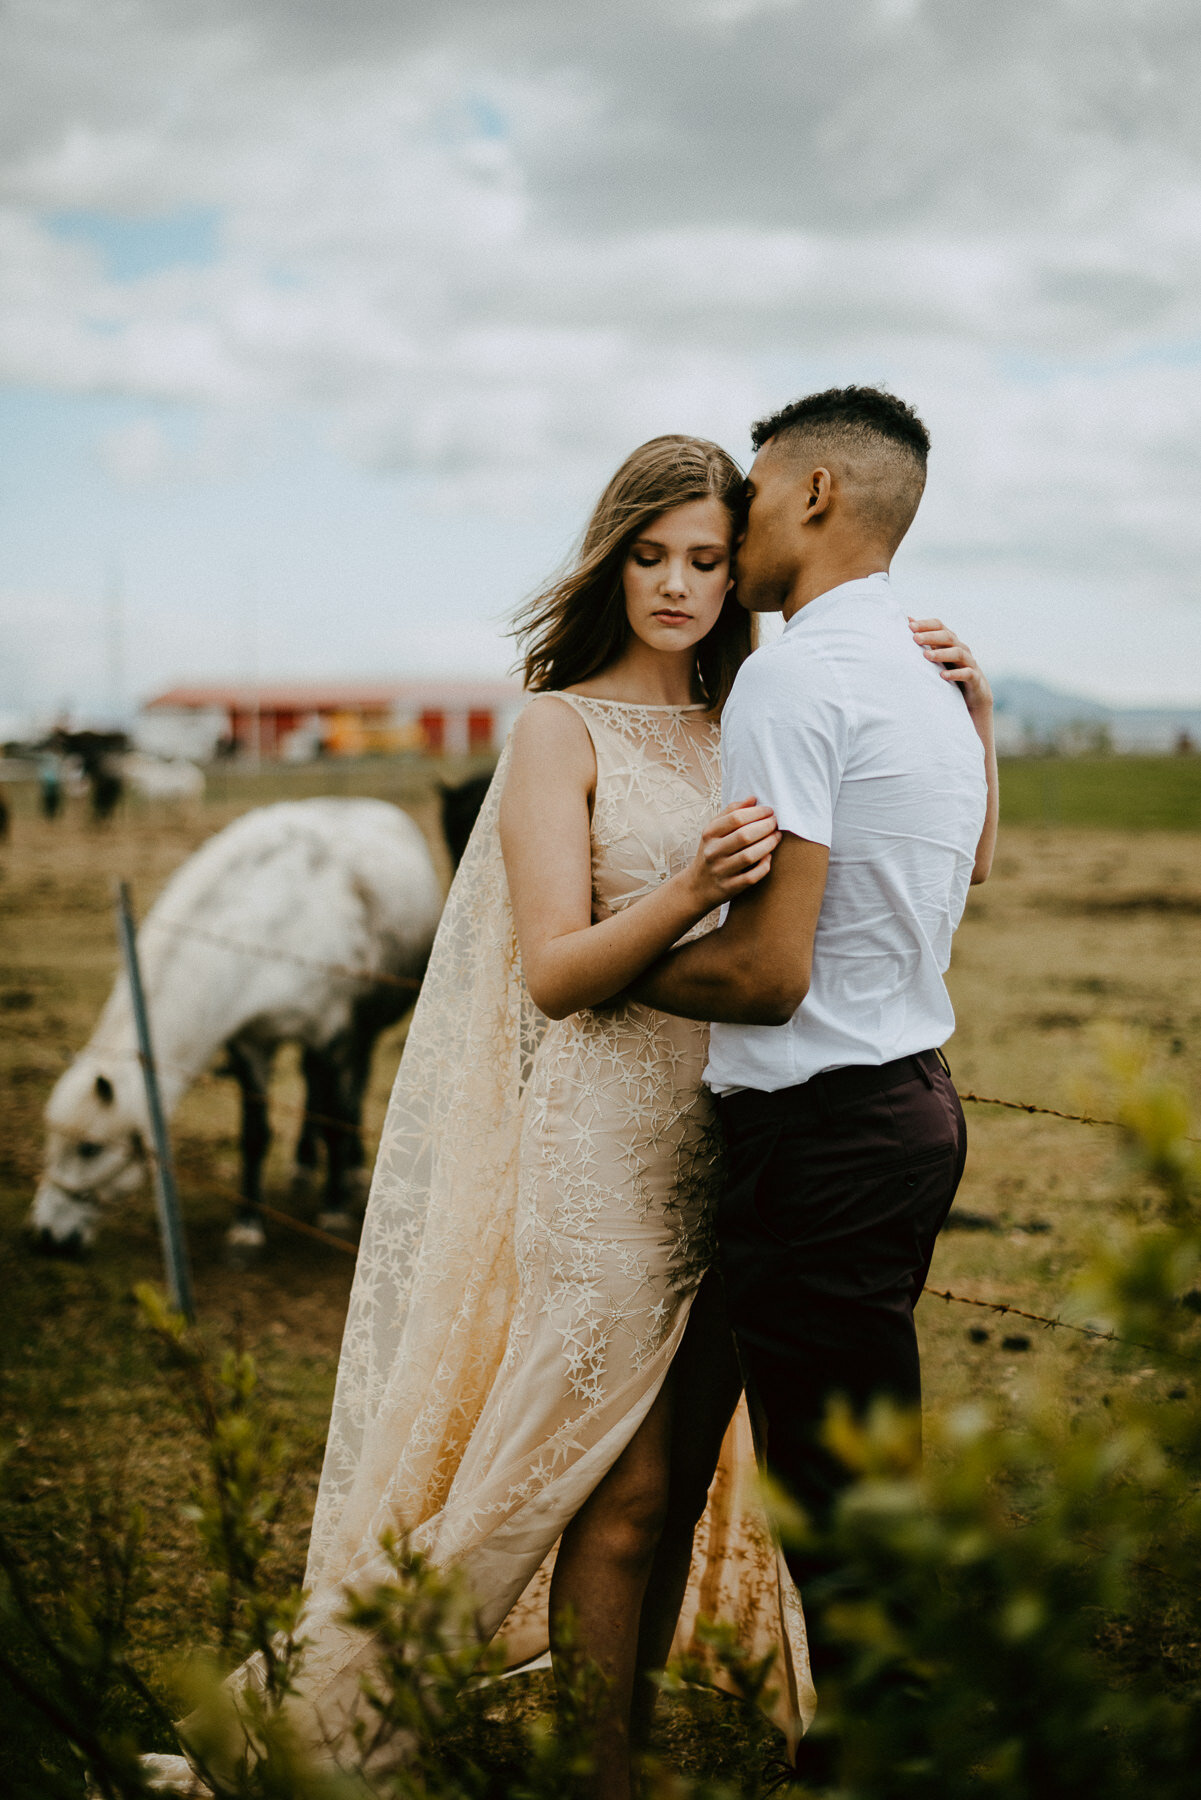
pixel 538 1225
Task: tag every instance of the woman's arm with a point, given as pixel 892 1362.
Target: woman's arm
pixel 959 665
pixel 568 961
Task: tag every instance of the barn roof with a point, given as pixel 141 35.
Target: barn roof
pixel 336 696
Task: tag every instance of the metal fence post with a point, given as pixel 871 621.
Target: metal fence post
pixel 175 1249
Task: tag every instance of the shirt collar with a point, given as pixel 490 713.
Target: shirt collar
pixel 870 586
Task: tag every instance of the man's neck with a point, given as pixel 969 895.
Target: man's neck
pixel 811 583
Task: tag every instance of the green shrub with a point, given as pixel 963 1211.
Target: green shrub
pixel 998 1574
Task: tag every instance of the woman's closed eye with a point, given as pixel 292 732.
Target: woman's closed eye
pixel 645 561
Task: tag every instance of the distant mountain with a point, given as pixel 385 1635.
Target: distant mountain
pixel 1030 714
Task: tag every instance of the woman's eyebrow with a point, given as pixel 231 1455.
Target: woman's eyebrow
pixel 654 544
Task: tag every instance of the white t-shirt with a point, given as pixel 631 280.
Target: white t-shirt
pixel 847 730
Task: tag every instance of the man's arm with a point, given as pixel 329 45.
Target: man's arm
pixel 754 969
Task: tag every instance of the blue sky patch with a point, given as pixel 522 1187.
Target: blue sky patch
pixel 133 248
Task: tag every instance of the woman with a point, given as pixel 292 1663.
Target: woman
pixel 536 1380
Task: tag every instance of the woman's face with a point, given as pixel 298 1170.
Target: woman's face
pixel 677 573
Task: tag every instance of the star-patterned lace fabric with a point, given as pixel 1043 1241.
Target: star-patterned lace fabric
pixel 539 1222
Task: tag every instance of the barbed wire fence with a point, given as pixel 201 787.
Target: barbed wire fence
pixel 306 1115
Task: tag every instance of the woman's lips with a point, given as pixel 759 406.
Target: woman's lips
pixel 673 618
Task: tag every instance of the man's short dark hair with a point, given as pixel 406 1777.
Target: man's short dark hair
pixel 877 442
pixel 849 409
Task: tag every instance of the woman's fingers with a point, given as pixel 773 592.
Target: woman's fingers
pixel 758 872
pixel 741 848
pixel 741 825
pixel 749 877
pixel 736 863
pixel 762 846
pixel 938 640
pixel 953 659
pixel 736 847
pixel 736 816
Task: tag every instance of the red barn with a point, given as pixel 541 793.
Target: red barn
pixel 299 718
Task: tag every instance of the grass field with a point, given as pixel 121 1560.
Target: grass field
pixel 1085 921
pixel 1129 793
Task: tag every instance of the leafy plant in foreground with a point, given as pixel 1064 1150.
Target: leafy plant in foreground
pixel 985 1578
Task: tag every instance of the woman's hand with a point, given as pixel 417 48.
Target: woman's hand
pixel 956 662
pixel 733 854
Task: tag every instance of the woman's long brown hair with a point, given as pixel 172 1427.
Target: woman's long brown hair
pixel 577 625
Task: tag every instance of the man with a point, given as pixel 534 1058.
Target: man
pixel 845 1137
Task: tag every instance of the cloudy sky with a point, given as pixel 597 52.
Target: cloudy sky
pixel 321 324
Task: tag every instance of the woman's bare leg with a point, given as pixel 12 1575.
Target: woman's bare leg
pixel 599 1580
pixel 706 1383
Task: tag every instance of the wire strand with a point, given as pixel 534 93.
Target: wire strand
pixel 1051 1112
pixel 1017 1312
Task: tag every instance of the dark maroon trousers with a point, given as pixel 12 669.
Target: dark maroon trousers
pixel 835 1193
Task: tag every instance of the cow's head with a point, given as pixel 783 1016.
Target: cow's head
pixel 95 1151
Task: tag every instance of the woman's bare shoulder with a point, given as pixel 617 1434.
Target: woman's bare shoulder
pixel 550 736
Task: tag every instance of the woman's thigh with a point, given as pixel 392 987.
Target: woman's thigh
pixel 631 1497
pixel 668 1464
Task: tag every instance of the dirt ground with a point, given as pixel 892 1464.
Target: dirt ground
pixel 1077 927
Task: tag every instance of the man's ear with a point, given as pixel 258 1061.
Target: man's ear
pixel 817 495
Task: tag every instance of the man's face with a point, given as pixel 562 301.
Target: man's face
pixel 768 552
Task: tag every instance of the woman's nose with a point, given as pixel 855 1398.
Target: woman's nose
pixel 675 580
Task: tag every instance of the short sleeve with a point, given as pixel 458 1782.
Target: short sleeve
pixel 785 738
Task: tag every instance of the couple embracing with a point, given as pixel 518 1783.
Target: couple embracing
pixel 672 1138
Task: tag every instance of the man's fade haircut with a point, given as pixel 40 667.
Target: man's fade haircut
pixel 880 444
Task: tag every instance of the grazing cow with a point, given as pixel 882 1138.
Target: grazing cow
pixel 310 921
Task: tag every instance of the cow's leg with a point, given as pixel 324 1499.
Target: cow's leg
pixel 308 1144
pixel 347 1066
pixel 328 1099
pixel 250 1065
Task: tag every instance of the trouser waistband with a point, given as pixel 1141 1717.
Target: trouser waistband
pixel 836 1089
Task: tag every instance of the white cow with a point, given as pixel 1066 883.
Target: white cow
pixel 162 777
pixel 311 922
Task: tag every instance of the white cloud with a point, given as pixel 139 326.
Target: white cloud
pixel 137 452
pixel 495 245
